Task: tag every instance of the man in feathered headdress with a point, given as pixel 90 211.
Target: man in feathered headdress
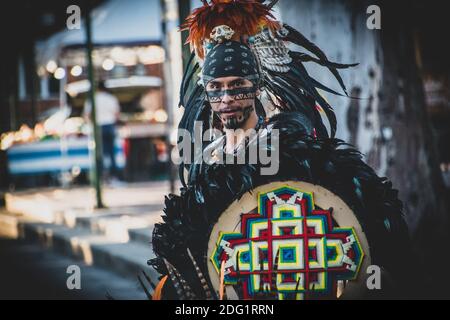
pixel 243 60
pixel 242 75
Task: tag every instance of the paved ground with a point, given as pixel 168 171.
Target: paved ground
pixel 42 203
pixel 29 271
pixel 111 245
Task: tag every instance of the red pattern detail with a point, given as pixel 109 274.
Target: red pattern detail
pixel 266 235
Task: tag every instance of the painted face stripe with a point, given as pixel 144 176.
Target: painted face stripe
pixel 237 94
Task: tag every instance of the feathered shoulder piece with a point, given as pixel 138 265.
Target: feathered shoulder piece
pixel 244 17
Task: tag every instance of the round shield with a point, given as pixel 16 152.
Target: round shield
pixel 289 240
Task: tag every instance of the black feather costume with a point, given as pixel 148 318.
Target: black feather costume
pixel 306 148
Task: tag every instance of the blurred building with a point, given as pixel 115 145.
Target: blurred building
pixel 128 55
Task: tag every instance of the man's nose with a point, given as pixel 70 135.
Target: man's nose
pixel 227 98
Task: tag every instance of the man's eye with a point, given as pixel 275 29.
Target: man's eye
pixel 239 84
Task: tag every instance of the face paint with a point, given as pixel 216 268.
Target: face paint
pixel 236 94
pixel 237 122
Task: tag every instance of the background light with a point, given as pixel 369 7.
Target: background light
pixel 51 66
pixel 161 115
pixel 108 64
pixel 60 73
pixel 76 71
pixel 151 54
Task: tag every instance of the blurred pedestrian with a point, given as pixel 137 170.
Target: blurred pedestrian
pixel 107 115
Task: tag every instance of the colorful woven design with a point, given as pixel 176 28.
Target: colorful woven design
pixel 288 248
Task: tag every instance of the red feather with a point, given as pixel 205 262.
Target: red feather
pixel 245 17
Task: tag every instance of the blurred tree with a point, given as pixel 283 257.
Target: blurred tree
pixel 391 126
pixel 414 164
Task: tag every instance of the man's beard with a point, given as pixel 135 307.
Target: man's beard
pixel 234 123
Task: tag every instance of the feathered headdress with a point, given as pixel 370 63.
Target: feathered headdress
pixel 244 17
pixel 284 79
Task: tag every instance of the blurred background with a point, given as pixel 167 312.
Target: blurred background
pixel 47 85
pixel 401 124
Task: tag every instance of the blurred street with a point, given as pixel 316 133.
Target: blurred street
pixel 85 140
pixel 44 231
pixel 32 272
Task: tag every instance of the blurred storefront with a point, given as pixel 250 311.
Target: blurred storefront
pixel 129 57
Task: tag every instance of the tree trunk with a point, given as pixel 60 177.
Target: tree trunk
pixel 413 162
pixel 389 124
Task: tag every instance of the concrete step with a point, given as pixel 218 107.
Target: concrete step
pixel 9 225
pixel 119 223
pixel 27 205
pixel 47 204
pixel 31 272
pixel 141 235
pixel 118 226
pixel 125 258
pixel 116 238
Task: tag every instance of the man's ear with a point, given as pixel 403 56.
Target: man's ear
pixel 258 92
